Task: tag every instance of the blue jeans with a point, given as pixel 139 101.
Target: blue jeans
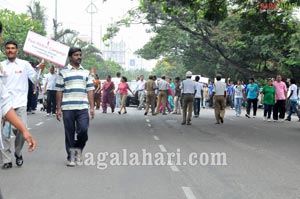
pixel 75 122
pixel 268 110
pixel 293 107
pixel 238 105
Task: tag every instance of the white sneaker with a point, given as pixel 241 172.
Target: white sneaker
pixel 281 120
pixel 48 114
pixel 265 118
pixel 269 120
pixel 253 116
pixel 71 163
pixel 78 158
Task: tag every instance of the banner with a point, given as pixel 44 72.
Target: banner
pixel 45 48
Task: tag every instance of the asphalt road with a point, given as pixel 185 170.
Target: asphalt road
pixel 262 159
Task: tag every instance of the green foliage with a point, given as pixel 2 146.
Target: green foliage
pixel 16 27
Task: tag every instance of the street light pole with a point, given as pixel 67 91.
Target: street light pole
pixel 92 9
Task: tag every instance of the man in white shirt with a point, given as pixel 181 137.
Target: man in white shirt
pixel 117 81
pixel 141 92
pixel 162 98
pixel 220 102
pixel 188 88
pixel 16 73
pixel 198 96
pixel 293 97
pixel 49 89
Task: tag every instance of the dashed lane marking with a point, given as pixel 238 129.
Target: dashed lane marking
pixel 188 193
pixel 39 124
pixel 156 138
pixel 162 148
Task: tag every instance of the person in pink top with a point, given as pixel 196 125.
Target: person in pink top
pixel 123 90
pixel 280 99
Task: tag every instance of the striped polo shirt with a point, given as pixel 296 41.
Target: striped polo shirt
pixel 74 83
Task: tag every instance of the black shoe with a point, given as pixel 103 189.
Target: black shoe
pixel 222 120
pixel 7 166
pixel 287 119
pixel 189 123
pixel 19 160
pixel 125 112
pixel 145 113
pixel 182 123
pixel 119 112
pixel 247 115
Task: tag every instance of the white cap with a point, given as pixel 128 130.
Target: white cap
pixel 188 74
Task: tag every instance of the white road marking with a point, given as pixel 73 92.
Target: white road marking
pixel 162 148
pixel 39 124
pixel 188 193
pixel 156 138
pixel 147 120
pixel 149 125
pixel 174 168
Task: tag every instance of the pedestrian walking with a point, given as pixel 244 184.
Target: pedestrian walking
pixel 150 95
pixel 219 99
pixel 268 99
pixel 97 93
pixel 293 97
pixel 198 96
pixel 123 89
pixel 117 81
pixel 252 95
pixel 238 94
pixel 141 92
pixel 205 96
pixel 188 88
pixel 75 102
pixel 49 90
pixel 16 73
pixel 177 96
pixel 163 86
pixel 280 99
pixel 108 96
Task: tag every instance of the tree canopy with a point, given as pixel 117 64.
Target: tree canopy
pixel 234 37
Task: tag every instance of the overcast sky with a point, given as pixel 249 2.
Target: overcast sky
pixel 73 14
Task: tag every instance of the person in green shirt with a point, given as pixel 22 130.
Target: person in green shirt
pixel 268 99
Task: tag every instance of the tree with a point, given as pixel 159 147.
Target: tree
pixel 16 27
pixel 248 43
pixel 37 12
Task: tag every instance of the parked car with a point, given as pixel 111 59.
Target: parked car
pixel 132 100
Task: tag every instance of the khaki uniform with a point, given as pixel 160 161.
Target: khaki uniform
pixel 150 96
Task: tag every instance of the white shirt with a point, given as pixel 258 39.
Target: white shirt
pixel 219 88
pixel 162 85
pixel 116 81
pixel 5 106
pixel 51 81
pixel 16 76
pixel 238 91
pixel 293 88
pixel 188 86
pixel 141 85
pixel 199 88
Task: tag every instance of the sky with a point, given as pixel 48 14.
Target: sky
pixel 73 14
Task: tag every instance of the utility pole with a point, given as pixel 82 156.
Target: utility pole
pixel 92 9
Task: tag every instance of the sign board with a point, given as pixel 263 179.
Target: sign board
pixel 204 80
pixel 45 48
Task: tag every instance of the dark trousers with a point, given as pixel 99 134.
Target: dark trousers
pixel 279 107
pixel 51 101
pixel 197 106
pixel 254 103
pixel 75 122
pixel 268 110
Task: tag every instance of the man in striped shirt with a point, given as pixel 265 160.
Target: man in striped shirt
pixel 75 101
